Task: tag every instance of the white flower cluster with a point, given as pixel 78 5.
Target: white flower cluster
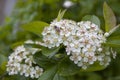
pixel 21 62
pixel 58 32
pixel 82 40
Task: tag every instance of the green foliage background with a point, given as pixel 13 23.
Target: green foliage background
pixel 27 11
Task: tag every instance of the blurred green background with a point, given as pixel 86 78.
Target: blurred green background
pixel 26 11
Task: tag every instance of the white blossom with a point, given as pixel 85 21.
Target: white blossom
pixel 68 4
pixel 106 34
pixel 21 62
pixel 83 41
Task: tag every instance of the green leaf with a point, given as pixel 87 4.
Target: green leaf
pixel 115 32
pixel 114 39
pixel 95 67
pixel 43 61
pixel 113 42
pixel 58 77
pixel 67 68
pixel 49 52
pixel 26 45
pixel 35 27
pixel 16 77
pixel 49 74
pixel 94 76
pixel 3 62
pixel 45 51
pixel 110 20
pixel 3 68
pixel 60 15
pixel 2 59
pixel 92 18
pixel 116 49
pixel 13 46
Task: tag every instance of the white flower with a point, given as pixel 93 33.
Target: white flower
pixel 38 71
pixel 68 4
pixel 19 49
pixel 57 33
pixel 83 41
pixel 21 62
pixel 99 49
pixel 106 34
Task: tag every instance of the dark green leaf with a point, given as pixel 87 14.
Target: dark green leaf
pixel 117 49
pixel 43 61
pixel 92 18
pixel 3 62
pixel 110 20
pixel 3 68
pixel 95 67
pixel 35 27
pixel 16 77
pixel 13 46
pixel 67 68
pixel 26 45
pixel 113 42
pixel 58 77
pixel 49 74
pixel 49 52
pixel 93 76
